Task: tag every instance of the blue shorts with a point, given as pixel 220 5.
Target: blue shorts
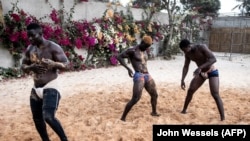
pixel 138 76
pixel 214 73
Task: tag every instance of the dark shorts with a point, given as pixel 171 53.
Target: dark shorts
pixel 214 73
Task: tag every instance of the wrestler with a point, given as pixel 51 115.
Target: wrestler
pixel 44 59
pixel 141 77
pixel 204 59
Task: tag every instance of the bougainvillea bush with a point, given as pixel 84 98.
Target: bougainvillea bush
pixel 102 38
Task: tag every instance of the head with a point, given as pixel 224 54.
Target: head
pixel 185 45
pixel 145 43
pixel 34 32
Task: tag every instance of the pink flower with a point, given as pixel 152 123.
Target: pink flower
pixel 14 37
pixel 78 43
pixel 47 31
pixel 118 20
pixel 79 26
pixel 111 47
pixel 58 31
pixel 15 17
pixel 22 13
pixel 24 35
pixel 80 57
pixel 28 20
pixel 120 34
pixel 113 60
pixel 91 41
pixel 92 28
pixel 53 16
pixel 64 41
pixel 67 54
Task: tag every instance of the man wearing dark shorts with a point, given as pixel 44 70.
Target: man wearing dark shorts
pixel 44 58
pixel 205 60
pixel 141 77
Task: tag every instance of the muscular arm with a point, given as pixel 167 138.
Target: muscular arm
pixel 185 68
pixel 59 59
pixel 125 54
pixel 26 67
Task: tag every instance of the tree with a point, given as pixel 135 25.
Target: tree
pixel 172 9
pixel 244 6
pixel 203 6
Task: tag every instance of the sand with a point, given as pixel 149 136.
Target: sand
pixel 93 101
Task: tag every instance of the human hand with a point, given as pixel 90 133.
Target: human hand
pixel 197 72
pixel 38 68
pixel 130 73
pixel 48 62
pixel 183 86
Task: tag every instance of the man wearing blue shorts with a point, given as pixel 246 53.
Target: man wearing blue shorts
pixel 204 59
pixel 141 77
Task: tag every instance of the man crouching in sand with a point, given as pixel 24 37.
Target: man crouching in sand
pixel 204 59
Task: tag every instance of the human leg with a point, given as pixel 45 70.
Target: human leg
pixel 51 100
pixel 196 82
pixel 214 89
pixel 137 92
pixel 151 89
pixel 36 108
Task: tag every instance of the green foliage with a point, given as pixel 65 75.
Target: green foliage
pixel 7 73
pixel 244 5
pixel 203 6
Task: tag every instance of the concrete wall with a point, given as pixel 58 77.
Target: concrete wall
pixel 83 11
pixel 231 21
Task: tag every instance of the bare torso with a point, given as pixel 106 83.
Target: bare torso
pixel 199 56
pixel 36 54
pixel 139 60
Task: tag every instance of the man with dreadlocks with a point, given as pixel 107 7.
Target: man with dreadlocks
pixel 141 77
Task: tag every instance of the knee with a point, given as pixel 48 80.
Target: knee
pixel 191 91
pixel 154 96
pixel 216 96
pixel 48 117
pixel 134 100
pixel 38 120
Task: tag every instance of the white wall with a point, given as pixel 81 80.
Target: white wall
pixel 83 11
pixel 6 58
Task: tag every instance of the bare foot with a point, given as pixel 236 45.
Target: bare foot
pixel 155 114
pixel 183 112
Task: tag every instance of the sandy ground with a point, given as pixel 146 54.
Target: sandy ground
pixel 93 101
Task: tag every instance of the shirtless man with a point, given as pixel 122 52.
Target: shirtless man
pixel 44 58
pixel 141 77
pixel 205 60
